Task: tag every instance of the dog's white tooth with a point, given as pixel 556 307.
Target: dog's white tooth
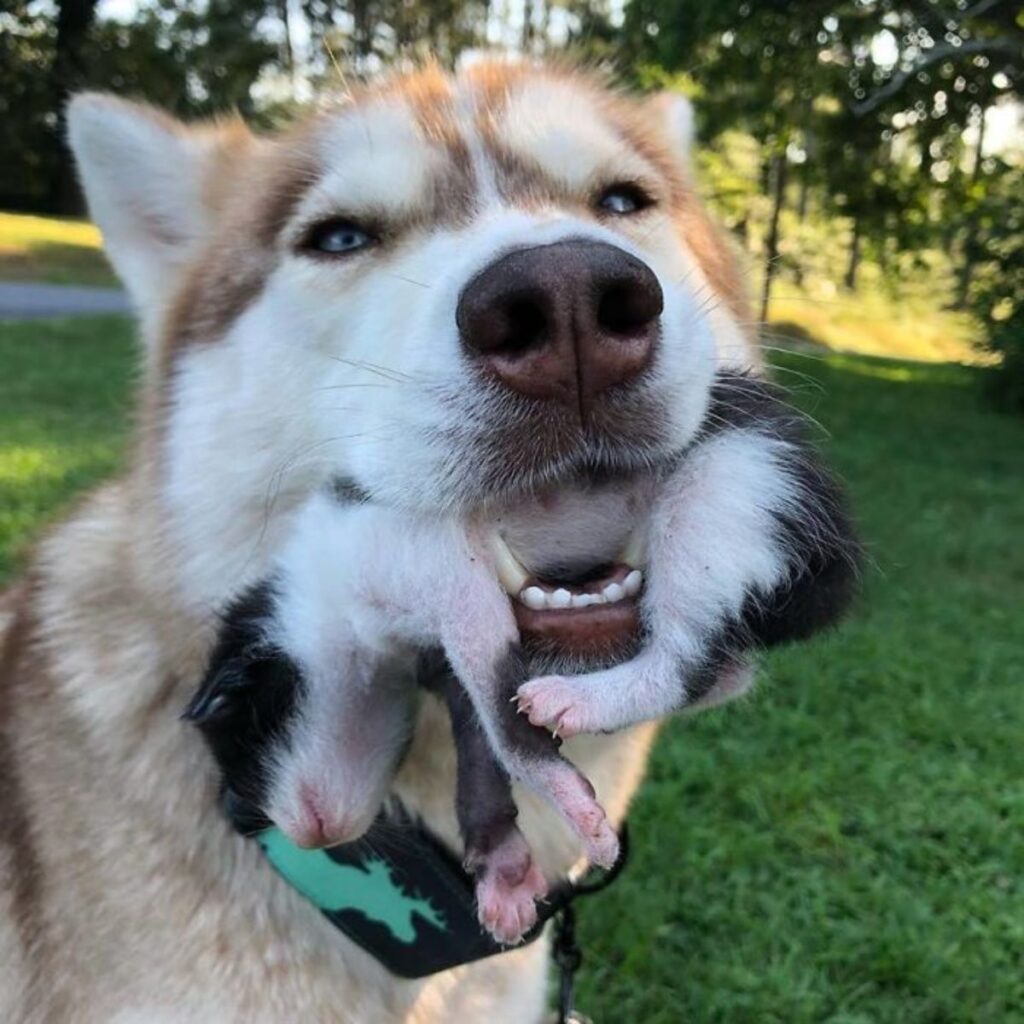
pixel 634 554
pixel 614 592
pixel 633 582
pixel 582 600
pixel 512 575
pixel 534 597
pixel 561 598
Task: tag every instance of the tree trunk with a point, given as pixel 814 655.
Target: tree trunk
pixel 527 41
pixel 805 189
pixel 850 279
pixel 362 32
pixel 287 50
pixel 970 241
pixel 810 155
pixel 67 74
pixel 771 255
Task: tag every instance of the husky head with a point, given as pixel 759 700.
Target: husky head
pixel 453 292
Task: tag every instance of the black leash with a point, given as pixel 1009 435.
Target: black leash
pixel 565 951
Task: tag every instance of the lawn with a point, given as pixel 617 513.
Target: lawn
pixel 847 846
pixel 64 399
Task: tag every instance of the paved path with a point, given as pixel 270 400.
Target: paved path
pixel 20 301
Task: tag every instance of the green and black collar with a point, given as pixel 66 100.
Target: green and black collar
pixel 401 895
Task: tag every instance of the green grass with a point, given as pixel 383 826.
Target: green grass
pixel 53 250
pixel 846 846
pixel 64 397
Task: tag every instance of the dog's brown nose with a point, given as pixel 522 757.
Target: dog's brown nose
pixel 563 322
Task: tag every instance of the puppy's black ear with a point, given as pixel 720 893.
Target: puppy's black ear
pixel 222 680
pixel 241 646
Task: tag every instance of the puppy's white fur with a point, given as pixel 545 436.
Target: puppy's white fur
pixel 355 581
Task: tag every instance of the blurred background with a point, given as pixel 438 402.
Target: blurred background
pixel 847 845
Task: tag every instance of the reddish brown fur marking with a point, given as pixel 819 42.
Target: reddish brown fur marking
pixel 249 209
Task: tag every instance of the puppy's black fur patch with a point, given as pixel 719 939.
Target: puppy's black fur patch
pixel 820 540
pixel 246 702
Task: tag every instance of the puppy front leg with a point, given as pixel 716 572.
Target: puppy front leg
pixel 751 546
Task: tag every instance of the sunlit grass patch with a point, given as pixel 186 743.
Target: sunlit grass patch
pixel 870 323
pixel 59 251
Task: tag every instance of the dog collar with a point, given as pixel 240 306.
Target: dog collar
pixel 398 893
pixel 401 895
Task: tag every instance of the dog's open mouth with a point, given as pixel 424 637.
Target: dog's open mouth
pixel 584 614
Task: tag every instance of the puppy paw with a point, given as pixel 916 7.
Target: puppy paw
pixel 508 885
pixel 561 704
pixel 572 793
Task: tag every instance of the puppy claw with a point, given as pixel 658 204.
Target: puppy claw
pixel 560 705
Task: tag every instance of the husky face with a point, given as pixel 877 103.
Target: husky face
pixel 486 292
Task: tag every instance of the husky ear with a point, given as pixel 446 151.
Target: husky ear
pixel 675 114
pixel 146 179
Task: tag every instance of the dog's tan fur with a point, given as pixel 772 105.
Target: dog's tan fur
pixel 123 894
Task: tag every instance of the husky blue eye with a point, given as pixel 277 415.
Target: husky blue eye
pixel 623 199
pixel 336 238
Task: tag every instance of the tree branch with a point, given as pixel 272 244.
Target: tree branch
pixel 933 56
pixel 979 8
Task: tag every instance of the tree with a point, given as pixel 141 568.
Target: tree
pixel 759 70
pixel 996 294
pixel 26 128
pixel 67 73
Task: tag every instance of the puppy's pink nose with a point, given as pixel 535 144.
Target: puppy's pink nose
pixel 563 322
pixel 316 824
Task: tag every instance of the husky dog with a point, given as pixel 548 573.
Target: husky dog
pixel 493 296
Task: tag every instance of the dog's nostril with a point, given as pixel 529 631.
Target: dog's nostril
pixel 628 307
pixel 526 326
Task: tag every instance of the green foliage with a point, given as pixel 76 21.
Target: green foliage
pixel 26 114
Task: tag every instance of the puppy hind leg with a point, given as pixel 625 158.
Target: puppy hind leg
pixel 532 756
pixel 508 881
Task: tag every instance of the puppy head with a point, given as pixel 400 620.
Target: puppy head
pixel 310 752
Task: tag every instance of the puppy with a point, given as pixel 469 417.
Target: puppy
pixel 750 544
